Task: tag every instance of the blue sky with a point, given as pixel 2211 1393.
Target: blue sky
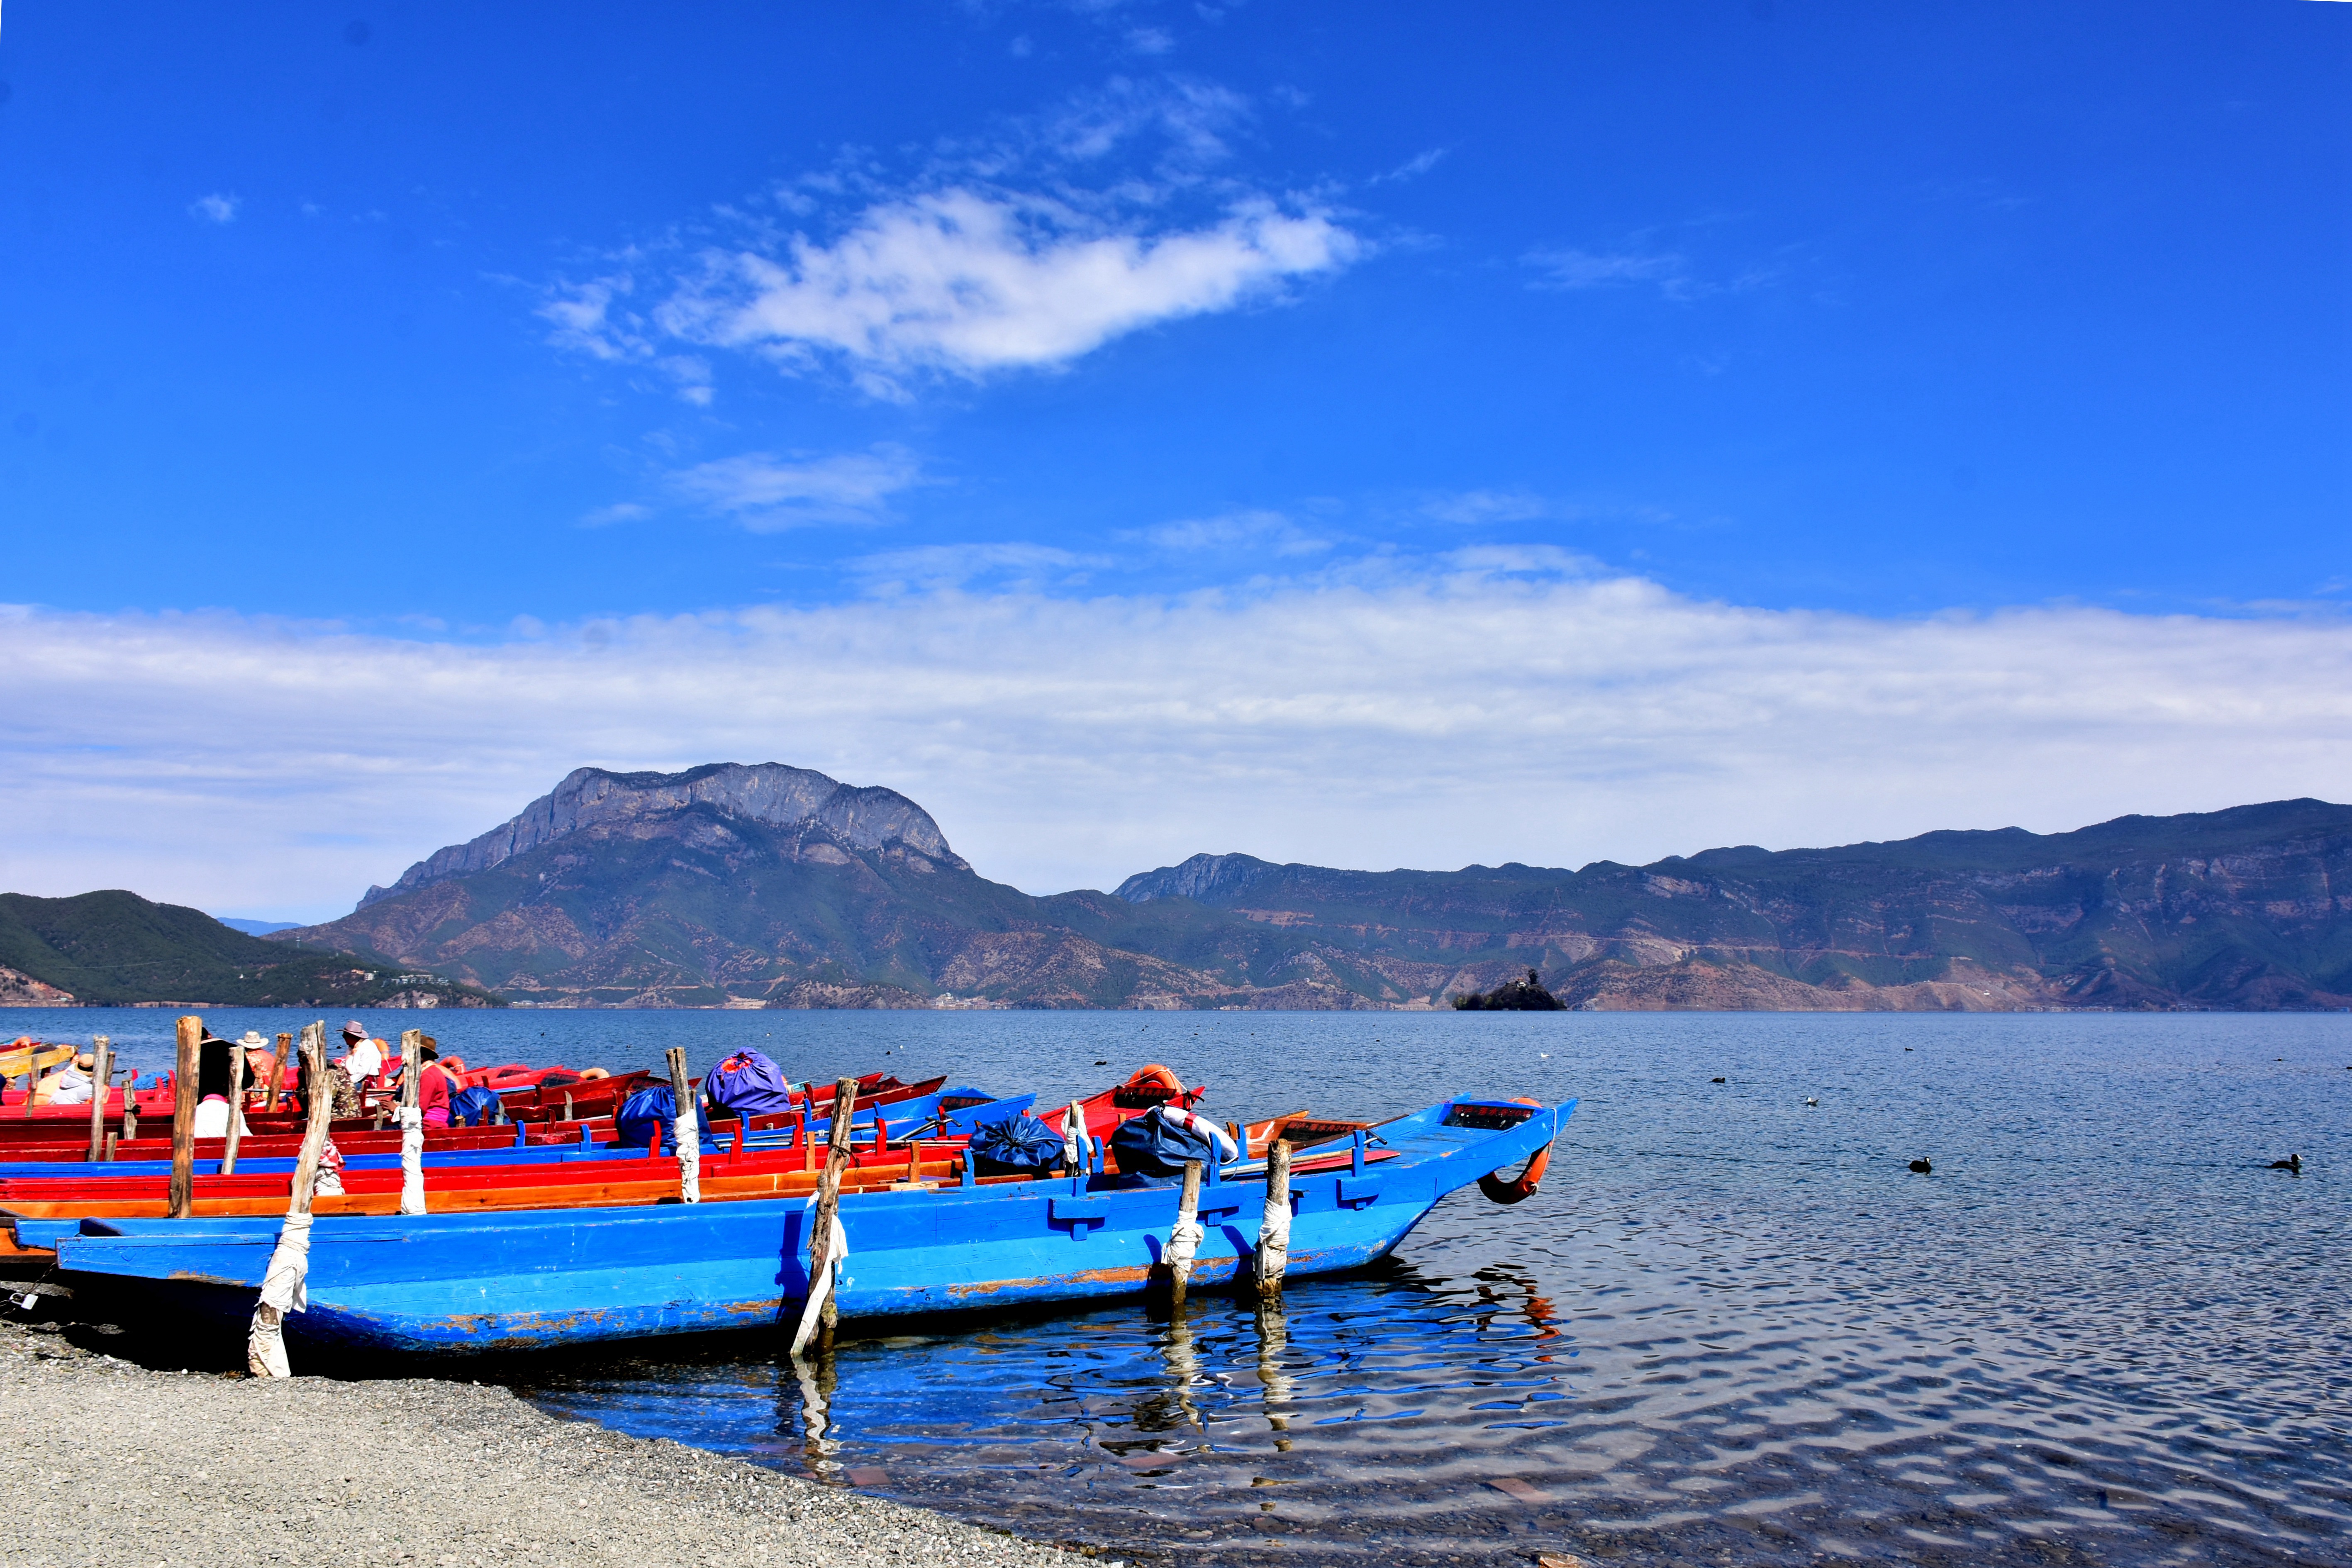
pixel 462 328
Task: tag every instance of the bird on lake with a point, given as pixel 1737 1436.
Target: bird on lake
pixel 2292 1162
pixel 1714 1081
pixel 1922 1166
pixel 1811 1101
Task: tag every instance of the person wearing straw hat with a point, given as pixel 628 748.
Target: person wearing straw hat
pixel 69 1085
pixel 260 1061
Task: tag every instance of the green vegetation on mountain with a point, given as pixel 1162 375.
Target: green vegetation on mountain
pixel 115 948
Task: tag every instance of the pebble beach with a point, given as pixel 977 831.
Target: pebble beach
pixel 116 1463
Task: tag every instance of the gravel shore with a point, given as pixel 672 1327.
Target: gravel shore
pixel 113 1463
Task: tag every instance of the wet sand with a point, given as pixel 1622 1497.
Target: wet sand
pixel 115 1463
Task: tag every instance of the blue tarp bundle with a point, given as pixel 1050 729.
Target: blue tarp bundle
pixel 748 1084
pixel 648 1106
pixel 475 1107
pixel 1018 1145
pixel 1149 1148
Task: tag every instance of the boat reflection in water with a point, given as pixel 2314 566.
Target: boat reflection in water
pixel 1336 1411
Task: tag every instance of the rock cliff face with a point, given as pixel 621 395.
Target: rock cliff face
pixel 769 794
pixel 778 886
pixel 2250 907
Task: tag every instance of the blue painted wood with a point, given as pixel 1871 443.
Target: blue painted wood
pixel 514 1280
pixel 921 1113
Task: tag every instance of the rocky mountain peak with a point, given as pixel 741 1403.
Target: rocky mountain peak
pixel 1214 879
pixel 771 793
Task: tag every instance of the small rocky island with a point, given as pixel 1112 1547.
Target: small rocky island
pixel 1526 996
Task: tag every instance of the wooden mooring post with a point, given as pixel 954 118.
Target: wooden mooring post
pixel 1274 1232
pixel 236 1108
pixel 278 1071
pixel 1184 1238
pixel 101 1079
pixel 289 1263
pixel 182 1200
pixel 411 1122
pixel 827 1244
pixel 686 1128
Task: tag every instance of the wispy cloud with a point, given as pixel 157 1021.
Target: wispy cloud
pixel 767 494
pixel 1472 508
pixel 619 511
pixel 1601 269
pixel 216 207
pixel 1027 248
pixel 934 568
pixel 1271 531
pixel 1412 168
pixel 1486 706
pixel 1671 272
pixel 965 282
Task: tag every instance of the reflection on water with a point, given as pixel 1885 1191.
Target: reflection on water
pixel 1732 1328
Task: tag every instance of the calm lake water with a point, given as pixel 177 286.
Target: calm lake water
pixel 1732 1328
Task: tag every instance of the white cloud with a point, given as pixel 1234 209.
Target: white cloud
pixel 585 319
pixel 767 494
pixel 967 283
pixel 1440 713
pixel 619 511
pixel 214 208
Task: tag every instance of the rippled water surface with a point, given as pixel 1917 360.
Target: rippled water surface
pixel 1733 1327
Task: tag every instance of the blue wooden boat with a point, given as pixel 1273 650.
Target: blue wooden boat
pixel 465 1282
pixel 951 1113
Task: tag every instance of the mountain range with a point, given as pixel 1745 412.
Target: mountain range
pixel 731 885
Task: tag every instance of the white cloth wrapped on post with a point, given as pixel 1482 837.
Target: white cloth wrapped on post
pixel 821 1283
pixel 411 1159
pixel 284 1288
pixel 1274 1234
pixel 690 1158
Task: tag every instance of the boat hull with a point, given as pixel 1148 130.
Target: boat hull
pixel 475 1282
